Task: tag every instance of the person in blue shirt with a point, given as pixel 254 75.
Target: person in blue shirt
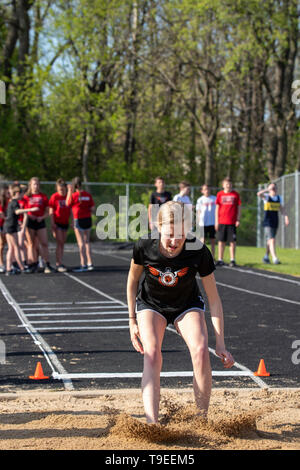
pixel 273 204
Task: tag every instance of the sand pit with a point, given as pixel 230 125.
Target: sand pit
pixel 247 419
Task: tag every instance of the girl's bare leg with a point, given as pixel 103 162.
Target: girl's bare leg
pixel 152 328
pixel 81 245
pixel 87 246
pixel 192 327
pixel 43 239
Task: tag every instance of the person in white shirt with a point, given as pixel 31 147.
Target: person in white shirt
pixel 206 207
pixel 183 195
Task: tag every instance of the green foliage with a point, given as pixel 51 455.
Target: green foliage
pixel 106 70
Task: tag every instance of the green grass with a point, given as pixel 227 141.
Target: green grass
pixel 251 257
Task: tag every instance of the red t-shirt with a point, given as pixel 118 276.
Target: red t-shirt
pixel 228 207
pixel 81 204
pixel 39 200
pixel 61 211
pixel 2 209
pixel 22 206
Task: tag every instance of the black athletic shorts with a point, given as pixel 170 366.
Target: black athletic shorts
pixel 171 317
pixel 209 231
pixel 227 233
pixel 83 224
pixel 62 226
pixel 35 225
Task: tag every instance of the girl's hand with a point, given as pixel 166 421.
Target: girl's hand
pixel 70 188
pixel 34 209
pixel 225 356
pixel 135 336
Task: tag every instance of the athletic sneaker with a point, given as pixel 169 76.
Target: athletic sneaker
pixel 232 263
pixel 61 268
pixel 90 267
pixel 220 263
pixel 276 261
pixel 11 273
pixel 48 269
pixel 2 269
pixel 32 268
pixel 81 269
pixel 266 259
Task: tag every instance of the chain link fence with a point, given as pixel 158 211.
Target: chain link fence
pixel 133 193
pixel 288 187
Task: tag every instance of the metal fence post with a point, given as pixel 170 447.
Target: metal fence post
pixel 282 221
pixel 297 174
pixel 127 210
pixel 258 221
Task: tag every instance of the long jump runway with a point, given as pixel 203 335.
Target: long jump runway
pixel 76 325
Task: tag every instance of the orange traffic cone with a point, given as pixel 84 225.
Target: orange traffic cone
pixel 262 371
pixel 39 374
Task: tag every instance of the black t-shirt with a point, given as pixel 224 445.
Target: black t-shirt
pixel 11 223
pixel 170 284
pixel 160 198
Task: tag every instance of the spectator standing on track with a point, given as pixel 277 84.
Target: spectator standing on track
pixel 157 198
pixel 169 293
pixel 60 215
pixel 206 208
pixel 273 204
pixel 37 231
pixel 228 214
pixel 82 206
pixel 4 198
pixel 12 227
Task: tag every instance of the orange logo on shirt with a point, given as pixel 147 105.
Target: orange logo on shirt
pixel 168 278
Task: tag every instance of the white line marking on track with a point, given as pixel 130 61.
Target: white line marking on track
pixel 73 314
pixel 95 289
pixel 70 308
pixel 269 276
pixel 273 297
pixel 70 328
pixel 69 303
pixel 103 320
pixel 115 375
pixel 37 338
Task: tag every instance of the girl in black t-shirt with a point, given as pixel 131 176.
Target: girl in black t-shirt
pixel 169 293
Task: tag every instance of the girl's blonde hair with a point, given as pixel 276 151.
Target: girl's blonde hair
pixel 175 214
pixel 29 190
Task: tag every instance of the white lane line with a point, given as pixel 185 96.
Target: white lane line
pixel 245 369
pixel 74 314
pixel 50 357
pixel 273 297
pixel 103 320
pixel 68 303
pixel 44 309
pixel 94 289
pixel 116 375
pixel 71 328
pixel 268 276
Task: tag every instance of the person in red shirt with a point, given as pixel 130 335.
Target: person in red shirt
pixel 60 215
pixel 82 206
pixel 37 231
pixel 228 214
pixel 4 198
